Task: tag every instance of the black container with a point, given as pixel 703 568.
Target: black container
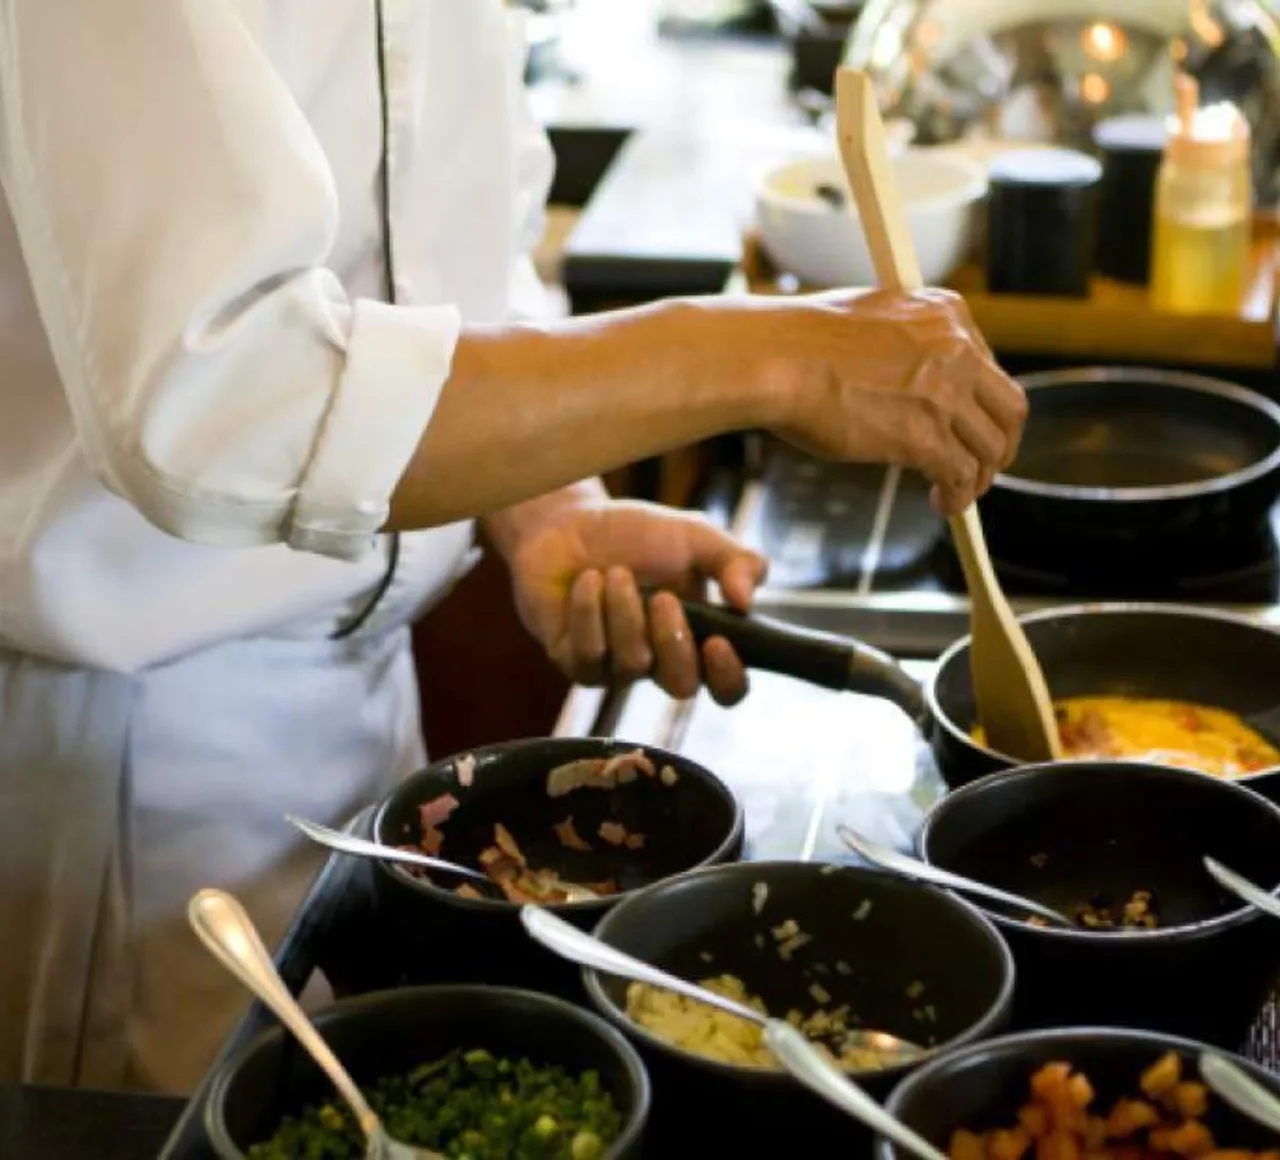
pixel 1131 149
pixel 694 822
pixel 1065 834
pixel 392 1032
pixel 982 1086
pixel 873 936
pixel 1041 222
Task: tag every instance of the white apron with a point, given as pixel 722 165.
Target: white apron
pixel 135 792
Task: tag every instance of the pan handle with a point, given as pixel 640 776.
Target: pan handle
pixel 821 658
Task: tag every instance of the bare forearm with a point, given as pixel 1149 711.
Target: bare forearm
pixel 531 409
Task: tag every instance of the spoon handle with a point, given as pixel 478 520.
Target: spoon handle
pixel 889 859
pixel 228 931
pixel 586 950
pixel 818 1073
pixel 1239 885
pixel 1231 1084
pixel 350 844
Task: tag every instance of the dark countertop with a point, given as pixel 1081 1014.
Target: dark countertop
pixel 39 1123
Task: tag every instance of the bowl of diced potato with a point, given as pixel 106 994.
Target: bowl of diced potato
pixel 841 952
pixel 1111 1094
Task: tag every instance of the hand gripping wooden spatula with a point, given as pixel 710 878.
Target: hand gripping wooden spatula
pixel 1013 701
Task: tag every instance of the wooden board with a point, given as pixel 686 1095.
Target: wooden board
pixel 1116 321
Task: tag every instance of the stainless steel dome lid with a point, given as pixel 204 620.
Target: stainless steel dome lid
pixel 1050 70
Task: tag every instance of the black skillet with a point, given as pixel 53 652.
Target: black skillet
pixel 1131 457
pixel 1135 650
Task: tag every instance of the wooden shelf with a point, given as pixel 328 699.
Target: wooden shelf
pixel 1116 321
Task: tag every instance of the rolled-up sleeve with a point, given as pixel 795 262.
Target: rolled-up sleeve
pixel 176 215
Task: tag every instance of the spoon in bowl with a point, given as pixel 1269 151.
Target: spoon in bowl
pixel 889 859
pixel 363 848
pixel 789 1045
pixel 227 930
pixel 1233 1086
pixel 1241 887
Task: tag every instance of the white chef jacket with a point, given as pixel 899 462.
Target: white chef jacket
pixel 192 353
pixel 203 411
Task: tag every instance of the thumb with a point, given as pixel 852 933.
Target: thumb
pixel 720 557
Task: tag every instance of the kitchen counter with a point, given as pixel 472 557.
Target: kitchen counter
pixel 700 117
pixel 38 1123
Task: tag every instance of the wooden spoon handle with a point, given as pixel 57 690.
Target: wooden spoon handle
pixel 1013 700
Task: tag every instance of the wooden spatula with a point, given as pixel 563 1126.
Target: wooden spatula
pixel 1013 701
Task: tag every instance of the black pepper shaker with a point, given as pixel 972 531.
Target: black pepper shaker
pixel 1041 221
pixel 1131 149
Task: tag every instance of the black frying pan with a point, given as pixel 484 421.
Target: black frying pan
pixel 1131 456
pixel 1137 650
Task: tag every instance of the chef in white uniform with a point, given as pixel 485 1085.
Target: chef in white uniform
pixel 258 262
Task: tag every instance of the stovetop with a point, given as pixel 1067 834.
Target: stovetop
pixel 868 531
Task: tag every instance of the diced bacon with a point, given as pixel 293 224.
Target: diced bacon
pixel 599 773
pixel 625 766
pixel 613 832
pixel 507 844
pixel 431 842
pixel 564 779
pixel 435 812
pixel 635 842
pixel 465 767
pixel 569 837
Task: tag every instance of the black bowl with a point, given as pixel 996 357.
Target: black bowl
pixel 981 1086
pixel 873 937
pixel 694 822
pixel 1064 834
pixel 392 1032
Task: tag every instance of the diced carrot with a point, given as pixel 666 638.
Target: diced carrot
pixel 1130 1116
pixel 1189 1139
pixel 1191 1100
pixel 1034 1120
pixel 1007 1144
pixel 1050 1078
pixel 1058 1146
pixel 1081 1090
pixel 966 1145
pixel 1161 1076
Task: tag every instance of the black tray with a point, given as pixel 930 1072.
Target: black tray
pixel 337 931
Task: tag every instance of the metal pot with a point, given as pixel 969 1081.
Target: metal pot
pixel 1134 650
pixel 1135 459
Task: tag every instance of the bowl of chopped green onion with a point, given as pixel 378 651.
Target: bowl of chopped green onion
pixel 481 1073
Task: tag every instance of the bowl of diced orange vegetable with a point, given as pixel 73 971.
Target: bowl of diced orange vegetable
pixel 1084 1094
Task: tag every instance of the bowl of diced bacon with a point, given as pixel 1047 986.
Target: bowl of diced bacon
pixel 537 814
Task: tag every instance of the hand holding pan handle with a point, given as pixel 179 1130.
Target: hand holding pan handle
pixel 834 662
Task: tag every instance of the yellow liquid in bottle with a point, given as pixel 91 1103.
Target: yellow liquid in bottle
pixel 1199 269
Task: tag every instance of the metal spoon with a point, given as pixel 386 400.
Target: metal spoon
pixel 1240 886
pixel 889 859
pixel 792 1049
pixel 228 931
pixel 1233 1086
pixel 362 848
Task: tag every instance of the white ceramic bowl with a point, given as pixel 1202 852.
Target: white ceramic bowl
pixel 823 246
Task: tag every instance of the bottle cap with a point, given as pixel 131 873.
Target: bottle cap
pixel 1215 137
